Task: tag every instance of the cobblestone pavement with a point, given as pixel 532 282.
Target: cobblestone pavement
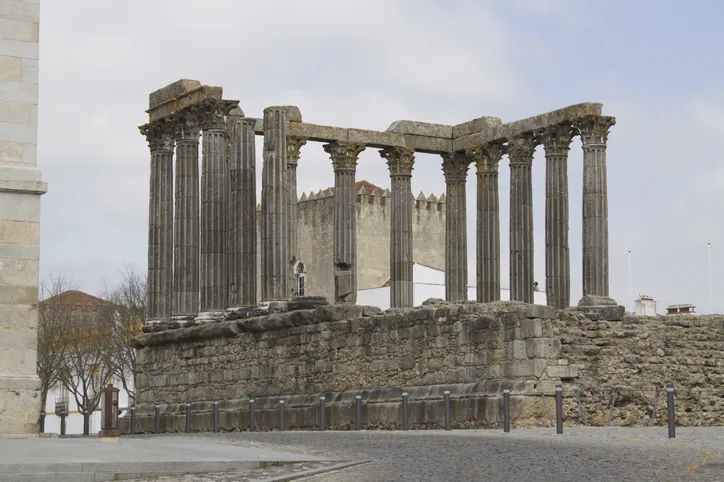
pixel 587 454
pixel 273 472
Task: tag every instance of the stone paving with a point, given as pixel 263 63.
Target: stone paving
pixel 593 454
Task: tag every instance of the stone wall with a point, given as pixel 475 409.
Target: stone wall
pixel 20 190
pixel 474 350
pixel 637 356
pixel 315 222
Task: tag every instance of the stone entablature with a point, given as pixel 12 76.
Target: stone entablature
pixel 478 141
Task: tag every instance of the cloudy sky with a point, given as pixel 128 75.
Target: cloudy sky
pixel 654 64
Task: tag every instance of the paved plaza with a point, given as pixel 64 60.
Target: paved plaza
pixel 591 454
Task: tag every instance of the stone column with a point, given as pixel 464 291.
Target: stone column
pixel 160 220
pixel 556 140
pixel 214 286
pixel 455 167
pixel 344 159
pixel 274 207
pixel 242 210
pixel 487 159
pixel 186 217
pixel 400 161
pixel 520 153
pixel 594 135
pixel 294 144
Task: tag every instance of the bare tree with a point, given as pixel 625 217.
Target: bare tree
pixel 53 320
pixel 85 371
pixel 124 320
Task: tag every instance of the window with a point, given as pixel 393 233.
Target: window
pixel 299 279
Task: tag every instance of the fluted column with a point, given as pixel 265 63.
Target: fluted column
pixel 520 153
pixel 294 144
pixel 557 140
pixel 487 159
pixel 344 159
pixel 186 216
pixel 594 136
pixel 242 208
pixel 400 162
pixel 455 167
pixel 213 259
pixel 160 220
pixel 274 207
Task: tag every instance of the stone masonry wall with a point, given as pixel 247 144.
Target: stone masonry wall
pixel 473 350
pixel 315 222
pixel 637 356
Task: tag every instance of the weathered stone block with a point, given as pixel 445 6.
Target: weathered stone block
pixel 524 368
pixel 543 312
pixel 531 328
pixel 171 91
pixel 566 371
pixel 421 129
pixel 516 350
pixel 543 347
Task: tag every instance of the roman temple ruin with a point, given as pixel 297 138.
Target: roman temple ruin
pixel 202 250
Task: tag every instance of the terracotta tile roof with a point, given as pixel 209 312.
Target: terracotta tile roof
pixel 77 299
pixel 369 187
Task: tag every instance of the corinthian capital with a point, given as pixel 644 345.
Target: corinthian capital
pixel 159 135
pixel 400 160
pixel 294 144
pixel 187 125
pixel 487 157
pixel 521 149
pixel 594 129
pixel 344 154
pixel 213 112
pixel 557 139
pixel 455 166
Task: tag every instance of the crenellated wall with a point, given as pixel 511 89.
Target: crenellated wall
pixel 315 222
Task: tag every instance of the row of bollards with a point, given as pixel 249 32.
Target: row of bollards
pixel 557 423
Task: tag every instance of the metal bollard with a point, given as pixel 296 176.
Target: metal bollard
pixel 321 413
pixel 506 410
pixel 581 409
pixel 251 415
pixel 610 414
pixel 281 415
pixel 42 421
pixel 133 420
pixel 656 406
pixel 447 409
pixel 404 411
pixel 559 409
pixel 188 417
pixel 156 419
pixel 86 423
pixel 62 423
pixel 672 415
pixel 216 416
pixel 358 412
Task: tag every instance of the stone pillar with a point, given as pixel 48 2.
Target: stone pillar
pixel 213 283
pixel 160 220
pixel 400 161
pixel 294 144
pixel 274 207
pixel 556 140
pixel 242 209
pixel 186 217
pixel 455 167
pixel 344 159
pixel 487 159
pixel 21 186
pixel 520 153
pixel 594 135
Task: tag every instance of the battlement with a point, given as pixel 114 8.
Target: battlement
pixel 369 194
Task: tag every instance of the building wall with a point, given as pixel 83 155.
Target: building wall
pixel 315 240
pixel 20 190
pixel 74 419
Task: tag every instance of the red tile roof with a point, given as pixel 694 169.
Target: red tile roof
pixel 77 299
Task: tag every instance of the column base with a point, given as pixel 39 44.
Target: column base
pixel 598 308
pixel 209 317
